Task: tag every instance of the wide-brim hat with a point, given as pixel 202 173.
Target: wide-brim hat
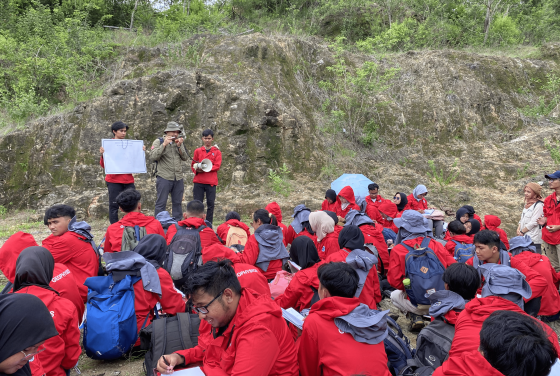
pixel 502 280
pixel 172 127
pixel 411 221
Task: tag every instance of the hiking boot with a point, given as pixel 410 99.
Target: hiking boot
pixel 416 322
pixel 394 316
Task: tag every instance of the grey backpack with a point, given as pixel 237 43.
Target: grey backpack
pixel 131 236
pixel 433 343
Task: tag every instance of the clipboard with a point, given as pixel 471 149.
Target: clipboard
pixel 124 156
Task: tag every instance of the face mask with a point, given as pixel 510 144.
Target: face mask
pixel 344 206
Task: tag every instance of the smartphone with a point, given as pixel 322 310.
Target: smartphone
pixel 549 227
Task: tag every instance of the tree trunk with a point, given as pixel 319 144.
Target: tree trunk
pixel 188 7
pixel 132 17
pixel 487 20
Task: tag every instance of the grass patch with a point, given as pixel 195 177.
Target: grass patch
pixel 7 230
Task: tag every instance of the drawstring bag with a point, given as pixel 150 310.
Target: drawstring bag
pixel 279 284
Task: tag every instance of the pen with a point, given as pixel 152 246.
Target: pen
pixel 166 362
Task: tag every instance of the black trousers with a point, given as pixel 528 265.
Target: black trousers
pixel 198 194
pixel 114 190
pixel 165 187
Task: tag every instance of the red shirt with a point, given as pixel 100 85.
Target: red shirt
pixel 374 235
pixel 223 229
pixel 256 342
pixel 328 245
pixel 78 255
pixel 207 235
pixel 251 254
pixel 215 155
pixel 463 238
pixel 413 204
pixel 63 351
pixel 334 207
pixel 467 364
pixel 298 294
pixel 325 351
pixel 113 237
pixel 371 292
pixel 397 272
pixel 551 210
pixel 290 235
pixel 117 178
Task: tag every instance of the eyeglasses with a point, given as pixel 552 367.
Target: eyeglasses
pixel 551 180
pixel 396 197
pixel 204 309
pixel 27 357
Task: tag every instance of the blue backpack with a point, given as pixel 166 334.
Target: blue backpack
pixel 425 272
pixel 463 251
pixel 397 347
pixel 110 328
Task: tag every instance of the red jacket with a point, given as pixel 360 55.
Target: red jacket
pixel 256 342
pixel 223 229
pixel 275 209
pixel 64 283
pixel 78 255
pixel 491 222
pixel 117 178
pixel 467 364
pixel 534 279
pixel 334 207
pixel 390 209
pixel 249 275
pixel 378 201
pixel 467 329
pixel 463 238
pixel 63 351
pixel 372 211
pixel 325 351
pixel 371 293
pixel 374 235
pixel 348 193
pixel 551 211
pixel 113 237
pixel 207 235
pixel 298 294
pixel 397 273
pixel 413 204
pixel 251 254
pixel 215 155
pixel 328 245
pixel 550 302
pixel 290 235
pixel 144 301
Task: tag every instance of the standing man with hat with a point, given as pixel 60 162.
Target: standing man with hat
pixel 550 221
pixel 169 153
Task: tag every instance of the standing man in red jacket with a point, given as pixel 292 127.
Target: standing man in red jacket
pixel 550 221
pixel 116 183
pixel 206 182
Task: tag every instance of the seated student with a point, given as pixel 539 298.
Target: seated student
pixel 300 225
pixel 505 289
pixel 413 231
pixel 487 245
pixel 337 227
pixel 34 272
pixel 373 234
pixel 248 335
pixel 275 209
pixel 62 281
pixel 327 240
pixel 472 214
pixel 158 288
pixel 522 249
pixel 351 243
pixel 401 201
pixel 25 324
pixel 233 219
pixel 492 222
pixel 129 202
pixel 330 203
pixel 302 289
pixel 389 211
pixel 340 333
pixel 265 248
pixel 457 236
pixel 472 227
pixel 373 201
pixel 249 275
pixel 346 202
pixel 417 201
pixel 511 344
pixel 70 248
pixel 195 216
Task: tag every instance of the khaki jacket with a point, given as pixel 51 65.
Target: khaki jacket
pixel 169 158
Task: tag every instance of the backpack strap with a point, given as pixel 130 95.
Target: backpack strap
pixel 137 233
pixel 148 316
pixel 7 288
pixel 426 242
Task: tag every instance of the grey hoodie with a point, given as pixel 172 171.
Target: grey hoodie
pixel 362 262
pixel 271 246
pixel 357 218
pixel 366 325
pixel 301 214
pixel 132 261
pixel 444 301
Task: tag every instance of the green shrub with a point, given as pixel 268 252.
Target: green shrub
pixel 553 149
pixel 504 31
pixel 280 181
pixel 443 176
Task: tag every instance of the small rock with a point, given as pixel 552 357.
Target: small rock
pixel 463 196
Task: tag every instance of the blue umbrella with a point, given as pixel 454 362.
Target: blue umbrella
pixel 358 182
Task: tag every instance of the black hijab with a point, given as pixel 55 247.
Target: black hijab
pixel 470 210
pixel 351 237
pixel 34 267
pixel 333 216
pixel 475 226
pixel 153 248
pixel 461 212
pixel 303 252
pixel 24 322
pixel 331 194
pixel 404 201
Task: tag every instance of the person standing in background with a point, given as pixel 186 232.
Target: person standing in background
pixel 170 153
pixel 116 183
pixel 532 211
pixel 550 221
pixel 206 182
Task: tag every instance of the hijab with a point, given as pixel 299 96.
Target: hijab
pixel 321 223
pixel 420 189
pixel 403 203
pixel 331 194
pixel 153 248
pixel 470 210
pixel 461 212
pixel 24 322
pixel 351 237
pixel 34 267
pixel 537 189
pixel 475 226
pixel 303 252
pixel 332 215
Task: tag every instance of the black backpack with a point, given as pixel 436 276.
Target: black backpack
pixel 184 254
pixel 397 347
pixel 167 335
pixel 433 343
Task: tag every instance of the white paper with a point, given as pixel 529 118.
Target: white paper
pixel 293 266
pixel 195 371
pixel 124 156
pixel 293 316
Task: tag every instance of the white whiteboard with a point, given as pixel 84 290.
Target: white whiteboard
pixel 124 156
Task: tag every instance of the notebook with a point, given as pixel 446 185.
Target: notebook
pixel 293 316
pixel 293 266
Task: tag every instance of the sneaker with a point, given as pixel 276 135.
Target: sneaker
pixel 416 322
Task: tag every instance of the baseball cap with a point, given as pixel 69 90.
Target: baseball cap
pixel 556 175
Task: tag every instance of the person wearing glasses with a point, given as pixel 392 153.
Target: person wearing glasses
pixel 248 336
pixel 550 221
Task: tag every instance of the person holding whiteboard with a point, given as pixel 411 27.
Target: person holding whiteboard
pixel 116 183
